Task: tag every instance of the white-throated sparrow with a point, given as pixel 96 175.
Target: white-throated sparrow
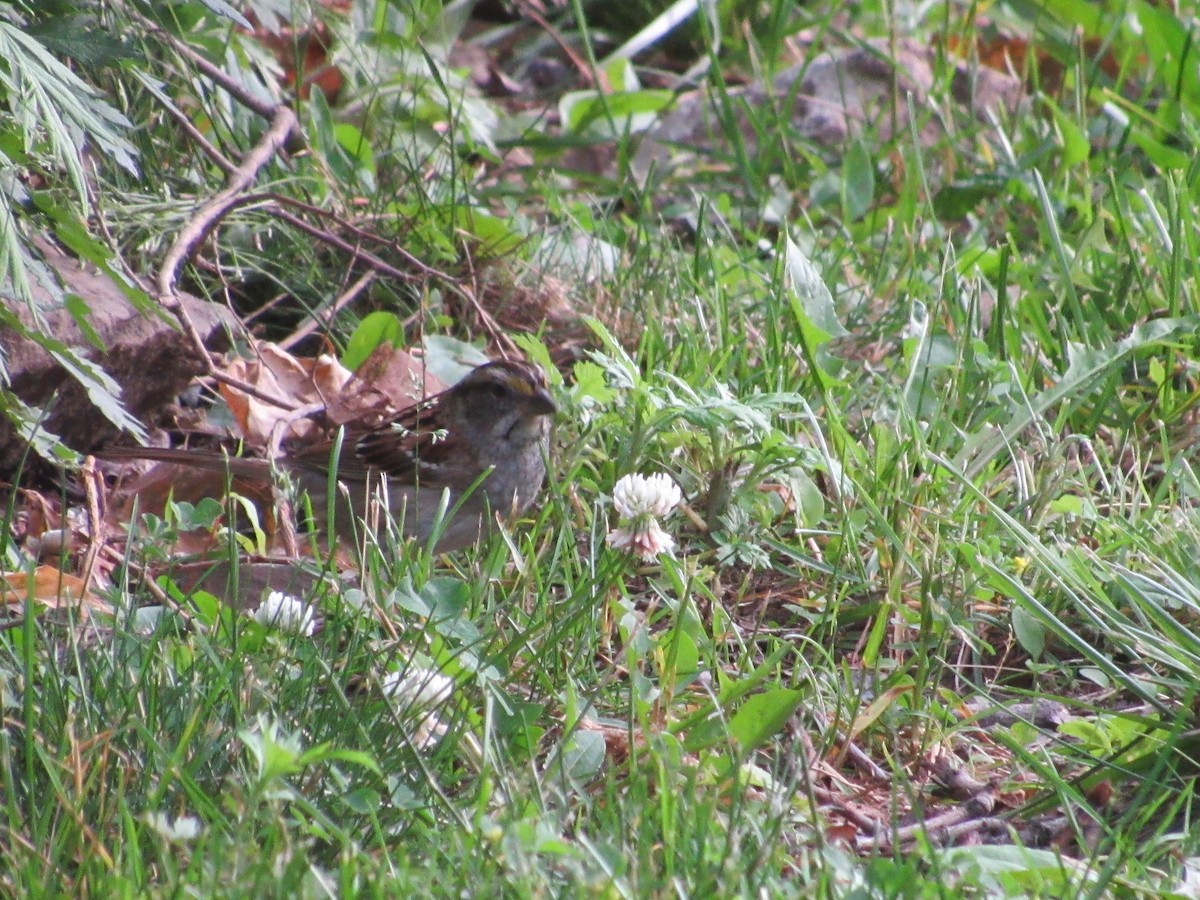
pixel 487 435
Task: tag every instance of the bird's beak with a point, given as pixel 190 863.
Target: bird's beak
pixel 543 404
pixel 536 395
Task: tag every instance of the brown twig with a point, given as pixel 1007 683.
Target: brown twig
pixel 93 483
pixel 471 296
pixel 349 227
pixel 210 213
pixel 223 162
pixel 859 758
pixel 201 225
pixel 342 244
pixel 162 596
pixel 467 294
pixel 872 827
pixel 343 300
pixel 953 823
pixel 283 128
pixel 235 90
pixel 580 64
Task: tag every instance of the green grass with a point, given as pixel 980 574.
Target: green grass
pixel 935 426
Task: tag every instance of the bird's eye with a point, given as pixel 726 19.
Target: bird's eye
pixel 496 390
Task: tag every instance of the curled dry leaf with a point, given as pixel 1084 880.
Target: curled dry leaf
pixel 277 373
pixel 387 381
pixel 51 588
pixel 303 48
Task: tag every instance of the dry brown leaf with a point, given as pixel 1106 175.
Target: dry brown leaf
pixel 864 719
pixel 53 589
pixel 841 834
pixel 314 38
pixel 389 380
pixel 277 373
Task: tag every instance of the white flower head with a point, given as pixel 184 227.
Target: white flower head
pixel 646 539
pixel 420 691
pixel 642 500
pixel 646 495
pixel 416 686
pixel 178 831
pixel 283 612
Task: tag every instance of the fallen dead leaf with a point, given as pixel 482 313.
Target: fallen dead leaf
pixel 277 373
pixel 387 381
pixel 53 589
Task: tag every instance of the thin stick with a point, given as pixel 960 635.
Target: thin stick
pixel 201 225
pixel 341 302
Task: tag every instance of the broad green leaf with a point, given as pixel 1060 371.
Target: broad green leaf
pixel 323 131
pixel 1088 17
pixel 1029 632
pixel 494 235
pixel 583 756
pixel 1076 148
pixel 813 311
pixel 622 77
pixel 375 329
pixel 706 726
pixel 449 358
pixel 858 181
pixel 610 116
pixel 763 716
pixel 953 201
pixel 357 148
pixel 680 657
pixel 812 303
pixel 439 598
pixel 1170 42
pixel 1007 870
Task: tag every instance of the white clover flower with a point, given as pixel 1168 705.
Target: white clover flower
pixel 283 612
pixel 642 500
pixel 416 686
pixel 417 690
pixel 180 831
pixel 646 495
pixel 646 539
